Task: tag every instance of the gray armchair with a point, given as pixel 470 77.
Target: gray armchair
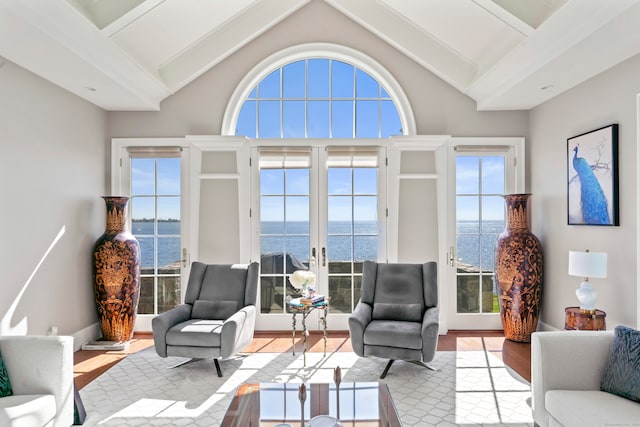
pixel 397 315
pixel 218 317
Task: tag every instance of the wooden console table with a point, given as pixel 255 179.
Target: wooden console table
pixel 575 319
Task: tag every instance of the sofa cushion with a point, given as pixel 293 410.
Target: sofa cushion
pixel 622 372
pixel 5 385
pixel 218 310
pixel 27 410
pixel 591 408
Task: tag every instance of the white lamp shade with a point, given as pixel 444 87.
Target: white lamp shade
pixel 588 264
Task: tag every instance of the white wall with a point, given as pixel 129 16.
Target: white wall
pixel 607 98
pixel 52 166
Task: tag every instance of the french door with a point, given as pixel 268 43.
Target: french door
pixel 155 180
pixel 481 172
pixel 321 209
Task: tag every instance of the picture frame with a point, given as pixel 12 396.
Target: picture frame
pixel 592 177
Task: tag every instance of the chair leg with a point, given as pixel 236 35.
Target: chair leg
pixel 386 369
pixel 415 362
pixel 184 362
pixel 218 367
pixel 424 365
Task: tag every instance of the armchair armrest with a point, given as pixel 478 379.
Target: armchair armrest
pixel 237 331
pixel 429 332
pixel 566 360
pixel 358 322
pixel 42 365
pixel 165 321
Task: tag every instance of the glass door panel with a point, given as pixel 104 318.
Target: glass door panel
pixel 481 180
pixel 285 233
pixel 352 226
pixel 156 223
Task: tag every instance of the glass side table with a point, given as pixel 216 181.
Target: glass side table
pixel 296 307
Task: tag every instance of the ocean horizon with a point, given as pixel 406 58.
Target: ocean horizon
pixel 344 242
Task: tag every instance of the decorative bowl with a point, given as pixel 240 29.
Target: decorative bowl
pixel 324 421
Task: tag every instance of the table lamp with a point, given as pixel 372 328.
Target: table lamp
pixel 587 264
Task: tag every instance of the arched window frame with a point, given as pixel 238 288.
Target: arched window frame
pixel 318 50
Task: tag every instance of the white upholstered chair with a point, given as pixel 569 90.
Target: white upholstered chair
pixel 40 371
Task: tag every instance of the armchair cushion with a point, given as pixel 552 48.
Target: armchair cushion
pixel 220 310
pixel 5 384
pixel 196 333
pixel 402 312
pixel 393 333
pixel 622 371
pixel 27 410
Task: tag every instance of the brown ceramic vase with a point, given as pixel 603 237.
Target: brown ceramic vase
pixel 518 272
pixel 116 274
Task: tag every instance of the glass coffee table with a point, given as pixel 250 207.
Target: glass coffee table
pixel 361 404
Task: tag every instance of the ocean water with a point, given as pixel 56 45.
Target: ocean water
pixel 343 243
pixel 168 242
pixel 476 250
pixel 473 249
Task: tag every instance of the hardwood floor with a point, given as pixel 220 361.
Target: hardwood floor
pixel 89 364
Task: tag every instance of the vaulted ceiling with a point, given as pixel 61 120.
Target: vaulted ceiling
pixel 132 54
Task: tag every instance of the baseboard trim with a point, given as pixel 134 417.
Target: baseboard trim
pixel 83 336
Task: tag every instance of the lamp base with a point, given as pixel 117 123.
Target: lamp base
pixel 587 297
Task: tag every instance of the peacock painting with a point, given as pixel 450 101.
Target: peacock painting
pixel 592 177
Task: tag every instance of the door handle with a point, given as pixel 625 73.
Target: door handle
pixel 184 257
pixel 452 256
pixel 324 257
pixel 313 257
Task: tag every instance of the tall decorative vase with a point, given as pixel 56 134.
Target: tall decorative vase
pixel 518 271
pixel 116 274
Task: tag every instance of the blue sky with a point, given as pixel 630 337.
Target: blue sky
pixel 279 104
pixel 477 175
pixel 144 183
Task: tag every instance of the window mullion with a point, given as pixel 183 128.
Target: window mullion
pixel 331 98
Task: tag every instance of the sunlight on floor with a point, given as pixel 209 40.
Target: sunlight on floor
pixel 486 392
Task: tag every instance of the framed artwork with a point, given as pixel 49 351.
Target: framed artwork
pixel 592 177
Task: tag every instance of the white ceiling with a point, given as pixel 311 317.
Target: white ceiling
pixel 132 54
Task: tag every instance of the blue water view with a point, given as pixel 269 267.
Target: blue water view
pixel 343 243
pixel 168 242
pixel 475 250
pixel 344 240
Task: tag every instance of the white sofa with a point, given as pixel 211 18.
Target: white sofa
pixel 566 369
pixel 40 371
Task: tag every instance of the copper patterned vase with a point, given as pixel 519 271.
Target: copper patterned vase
pixel 518 272
pixel 116 274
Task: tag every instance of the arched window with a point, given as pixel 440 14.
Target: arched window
pixel 318 98
pixel 318 91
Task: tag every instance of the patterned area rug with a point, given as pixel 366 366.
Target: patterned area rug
pixel 468 388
